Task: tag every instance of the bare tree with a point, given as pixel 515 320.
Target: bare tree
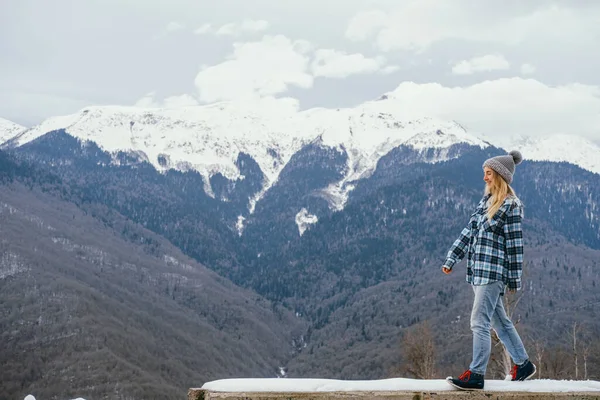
pixel 540 348
pixel 585 354
pixel 573 334
pixel 557 364
pixel 419 351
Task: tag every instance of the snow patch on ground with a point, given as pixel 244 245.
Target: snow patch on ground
pixel 394 384
pixel 304 219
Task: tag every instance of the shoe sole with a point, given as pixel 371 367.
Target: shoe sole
pixel 462 388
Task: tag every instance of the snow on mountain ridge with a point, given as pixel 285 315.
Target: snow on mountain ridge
pixel 367 134
pixel 560 147
pixel 209 138
pixel 9 129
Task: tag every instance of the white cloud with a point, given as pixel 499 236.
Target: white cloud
pixel 254 69
pixel 336 64
pixel 490 62
pixel 270 66
pixel 247 26
pixel 414 25
pixel 254 25
pixel 174 26
pixel 365 24
pixel 507 106
pixel 417 24
pixel 204 29
pixel 527 69
pixel 390 69
pixel 234 29
pixel 183 100
pixel 227 29
pixel 150 101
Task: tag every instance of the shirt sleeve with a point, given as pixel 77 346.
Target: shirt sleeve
pixel 513 239
pixel 457 251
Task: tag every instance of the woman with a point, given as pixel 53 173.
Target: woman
pixel 493 244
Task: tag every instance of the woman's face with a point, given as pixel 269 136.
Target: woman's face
pixel 488 176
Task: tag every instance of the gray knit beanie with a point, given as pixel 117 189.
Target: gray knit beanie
pixel 505 165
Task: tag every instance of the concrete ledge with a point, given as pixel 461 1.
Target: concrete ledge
pixel 204 394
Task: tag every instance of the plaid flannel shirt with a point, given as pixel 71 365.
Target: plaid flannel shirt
pixel 494 249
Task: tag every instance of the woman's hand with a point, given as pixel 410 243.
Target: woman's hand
pixel 446 270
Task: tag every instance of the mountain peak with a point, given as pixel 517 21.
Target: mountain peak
pixel 209 138
pixel 557 148
pixel 9 129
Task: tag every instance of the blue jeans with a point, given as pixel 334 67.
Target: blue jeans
pixel 488 311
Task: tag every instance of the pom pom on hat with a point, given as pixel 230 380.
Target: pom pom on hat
pixel 517 157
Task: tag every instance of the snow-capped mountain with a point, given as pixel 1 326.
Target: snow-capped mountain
pixel 9 129
pixel 370 131
pixel 210 138
pixel 207 139
pixel 572 149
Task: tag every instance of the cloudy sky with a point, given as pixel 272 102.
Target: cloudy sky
pixel 500 66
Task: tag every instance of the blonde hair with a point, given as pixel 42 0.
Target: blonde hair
pixel 499 190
